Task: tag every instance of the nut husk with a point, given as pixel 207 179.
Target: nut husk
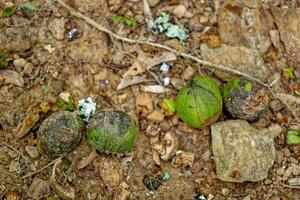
pixel 60 133
pixel 200 102
pixel 244 99
pixel 111 131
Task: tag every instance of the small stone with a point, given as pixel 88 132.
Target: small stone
pixel 177 83
pixel 280 171
pixel 294 181
pixel 225 191
pixel 279 157
pixel 156 116
pixel 179 11
pixel 287 173
pixel 32 151
pixel 20 62
pixel 57 28
pixel 188 73
pixel 153 3
pixel 204 19
pixel 14 166
pixel 286 152
pixel 296 169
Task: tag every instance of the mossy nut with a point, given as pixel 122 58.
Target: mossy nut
pixel 60 133
pixel 111 131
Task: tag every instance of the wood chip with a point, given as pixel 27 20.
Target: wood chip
pixel 126 82
pixel 155 89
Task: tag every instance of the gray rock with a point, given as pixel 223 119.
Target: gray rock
pixel 57 28
pixel 241 152
pixel 287 20
pixel 245 23
pixel 236 57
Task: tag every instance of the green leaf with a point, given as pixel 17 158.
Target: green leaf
pixel 166 176
pixel 248 87
pixel 8 12
pixel 287 72
pixel 29 6
pixel 46 89
pixel 293 137
pixel 124 20
pixel 3 59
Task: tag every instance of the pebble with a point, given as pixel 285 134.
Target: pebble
pixel 279 156
pixel 280 171
pixel 225 191
pixel 179 11
pixel 153 3
pixel 21 62
pixel 286 152
pixel 294 181
pixel 287 173
pixel 57 28
pixel 156 116
pixel 296 169
pixel 177 83
pixel 188 73
pixel 204 19
pixel 32 151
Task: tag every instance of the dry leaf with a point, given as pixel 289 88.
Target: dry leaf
pixel 147 61
pixel 126 82
pixel 32 116
pixel 144 104
pixel 155 89
pixel 12 77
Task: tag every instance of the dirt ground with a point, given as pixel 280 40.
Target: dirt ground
pixel 49 67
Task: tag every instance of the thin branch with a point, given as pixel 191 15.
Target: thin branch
pixel 46 166
pixel 17 151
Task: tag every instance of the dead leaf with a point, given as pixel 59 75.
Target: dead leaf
pixel 122 192
pixel 146 61
pixel 85 161
pixel 12 77
pixel 38 189
pixel 183 159
pixel 144 104
pixel 32 116
pixel 126 82
pixel 158 89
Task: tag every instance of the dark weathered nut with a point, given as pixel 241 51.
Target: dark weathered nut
pixel 60 133
pixel 244 99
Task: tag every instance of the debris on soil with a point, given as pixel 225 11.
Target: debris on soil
pixel 241 152
pixel 183 159
pixel 63 189
pixel 60 133
pixel 122 192
pixel 166 146
pixel 244 99
pixel 86 108
pixel 12 77
pixel 39 188
pixel 110 171
pixel 152 182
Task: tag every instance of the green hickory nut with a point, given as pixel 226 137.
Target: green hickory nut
pixel 111 131
pixel 244 99
pixel 199 103
pixel 60 133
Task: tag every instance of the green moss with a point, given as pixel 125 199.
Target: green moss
pixel 293 137
pixel 124 20
pixel 3 59
pixel 248 87
pixel 287 72
pixel 231 85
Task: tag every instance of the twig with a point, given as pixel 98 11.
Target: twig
pixel 17 151
pixel 291 186
pixel 46 166
pixel 184 55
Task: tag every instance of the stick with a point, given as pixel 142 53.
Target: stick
pixel 46 166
